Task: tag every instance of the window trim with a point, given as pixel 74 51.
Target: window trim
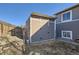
pixel 67 37
pixel 68 19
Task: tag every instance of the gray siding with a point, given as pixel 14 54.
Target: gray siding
pixel 70 26
pixel 58 18
pixel 27 30
pixel 75 15
pixel 45 33
pixel 51 30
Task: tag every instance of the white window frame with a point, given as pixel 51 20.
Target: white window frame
pixel 67 37
pixel 68 19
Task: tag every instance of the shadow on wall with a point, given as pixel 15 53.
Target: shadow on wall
pixel 17 31
pixel 46 32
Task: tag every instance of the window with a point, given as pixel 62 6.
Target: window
pixel 67 34
pixel 66 16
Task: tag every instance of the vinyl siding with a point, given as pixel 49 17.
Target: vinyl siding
pixel 69 26
pixel 41 29
pixel 58 18
pixel 75 15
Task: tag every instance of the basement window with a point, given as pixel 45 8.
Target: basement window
pixel 67 34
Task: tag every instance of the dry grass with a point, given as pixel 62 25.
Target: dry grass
pixel 14 46
pixel 11 46
pixel 56 48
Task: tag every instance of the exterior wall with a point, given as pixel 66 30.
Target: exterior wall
pixel 51 29
pixel 5 29
pixel 41 29
pixel 69 26
pixel 10 28
pixel 26 31
pixel 75 15
pixel 58 20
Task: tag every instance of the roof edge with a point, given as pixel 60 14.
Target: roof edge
pixel 67 9
pixel 41 15
pixel 4 22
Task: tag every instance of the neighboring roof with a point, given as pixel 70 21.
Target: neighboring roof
pixel 77 5
pixel 42 15
pixel 3 22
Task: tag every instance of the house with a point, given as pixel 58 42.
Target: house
pixel 5 28
pixel 67 23
pixel 39 27
pixel 64 26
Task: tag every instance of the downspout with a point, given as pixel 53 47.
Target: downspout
pixel 54 29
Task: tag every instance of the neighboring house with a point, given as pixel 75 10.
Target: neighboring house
pixel 67 23
pixel 5 28
pixel 64 26
pixel 39 27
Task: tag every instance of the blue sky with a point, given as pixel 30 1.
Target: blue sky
pixel 17 14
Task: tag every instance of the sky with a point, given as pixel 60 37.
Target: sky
pixel 18 14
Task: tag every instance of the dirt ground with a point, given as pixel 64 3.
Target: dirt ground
pixel 11 46
pixel 15 46
pixel 54 48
